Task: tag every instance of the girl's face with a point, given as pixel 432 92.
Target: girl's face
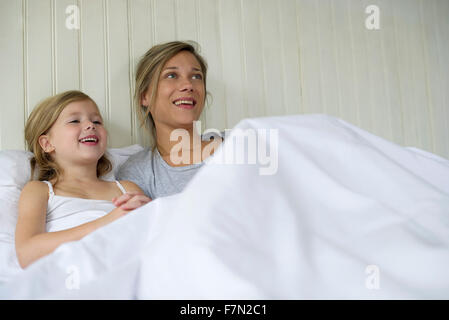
pixel 180 92
pixel 77 136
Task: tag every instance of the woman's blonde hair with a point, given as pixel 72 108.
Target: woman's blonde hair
pixel 148 73
pixel 40 122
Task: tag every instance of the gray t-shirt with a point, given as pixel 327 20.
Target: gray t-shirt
pixel 154 176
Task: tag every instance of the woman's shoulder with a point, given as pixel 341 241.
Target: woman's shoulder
pixel 141 156
pixel 138 159
pixel 136 164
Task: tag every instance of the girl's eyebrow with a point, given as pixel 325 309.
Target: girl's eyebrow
pixel 76 113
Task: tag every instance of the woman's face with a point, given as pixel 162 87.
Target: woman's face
pixel 180 93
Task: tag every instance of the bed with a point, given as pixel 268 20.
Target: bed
pixel 334 212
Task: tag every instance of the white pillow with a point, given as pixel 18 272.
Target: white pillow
pixel 15 172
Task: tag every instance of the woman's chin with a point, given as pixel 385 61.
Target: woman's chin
pixel 184 121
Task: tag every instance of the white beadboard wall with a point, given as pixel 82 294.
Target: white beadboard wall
pixel 266 57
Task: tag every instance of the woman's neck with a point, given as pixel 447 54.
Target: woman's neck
pixel 179 147
pixel 169 139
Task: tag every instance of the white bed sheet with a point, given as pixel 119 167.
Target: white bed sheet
pixel 342 204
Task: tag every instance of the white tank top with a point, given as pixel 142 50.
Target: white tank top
pixel 68 212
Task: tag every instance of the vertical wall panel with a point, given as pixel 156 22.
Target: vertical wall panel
pixel 442 9
pixel 439 71
pixel 272 57
pixel 40 49
pixel 186 20
pixel 419 88
pixel 388 47
pixel 118 56
pixel 309 50
pixel 344 61
pixel 254 75
pixel 416 128
pixel 381 119
pixel 141 34
pixel 290 56
pixel 357 18
pixel 444 114
pixel 327 54
pixel 66 49
pixel 211 49
pixel 164 14
pixel 404 73
pixel 233 67
pixel 12 66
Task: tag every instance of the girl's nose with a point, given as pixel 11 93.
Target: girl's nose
pixel 90 125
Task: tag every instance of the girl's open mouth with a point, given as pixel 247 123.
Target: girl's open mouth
pixel 89 140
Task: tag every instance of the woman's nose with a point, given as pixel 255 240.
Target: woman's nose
pixel 186 85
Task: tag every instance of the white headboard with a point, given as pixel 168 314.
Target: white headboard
pixel 379 64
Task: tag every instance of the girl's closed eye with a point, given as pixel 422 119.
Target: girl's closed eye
pixel 74 121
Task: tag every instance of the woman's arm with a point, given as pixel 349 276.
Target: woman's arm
pixel 31 239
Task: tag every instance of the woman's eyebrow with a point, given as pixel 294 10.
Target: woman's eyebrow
pixel 173 68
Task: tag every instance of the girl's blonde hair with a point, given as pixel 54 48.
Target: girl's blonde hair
pixel 148 73
pixel 40 122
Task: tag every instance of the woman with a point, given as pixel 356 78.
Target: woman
pixel 170 94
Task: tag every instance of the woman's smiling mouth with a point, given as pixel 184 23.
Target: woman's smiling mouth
pixel 185 103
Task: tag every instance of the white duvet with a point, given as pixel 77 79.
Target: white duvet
pixel 347 215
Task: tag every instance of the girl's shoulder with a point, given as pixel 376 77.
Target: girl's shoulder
pixel 36 185
pixel 35 189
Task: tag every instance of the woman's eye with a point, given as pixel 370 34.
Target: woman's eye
pixel 171 75
pixel 97 122
pixel 198 76
pixel 74 121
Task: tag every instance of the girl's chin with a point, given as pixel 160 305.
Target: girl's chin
pixel 92 154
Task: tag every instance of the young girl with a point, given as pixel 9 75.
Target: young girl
pixel 69 200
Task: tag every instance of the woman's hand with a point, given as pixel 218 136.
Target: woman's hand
pixel 131 200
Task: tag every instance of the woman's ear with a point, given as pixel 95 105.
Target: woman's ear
pixel 144 99
pixel 44 142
